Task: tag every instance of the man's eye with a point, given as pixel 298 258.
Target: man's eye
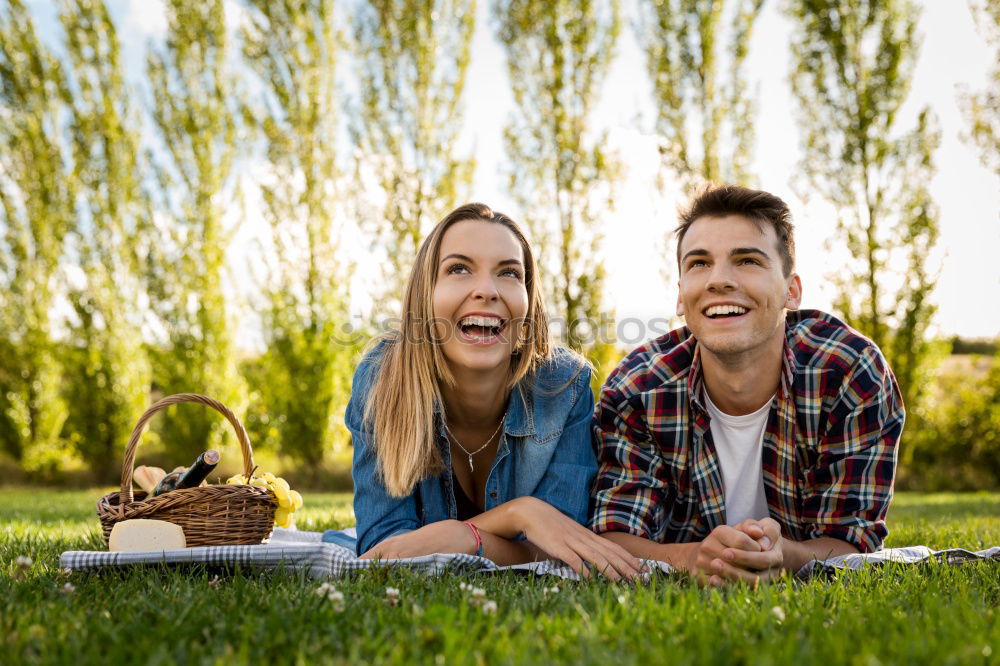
pixel 697 263
pixel 749 260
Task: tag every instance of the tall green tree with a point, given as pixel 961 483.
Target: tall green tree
pixel 853 65
pixel 107 372
pixel 194 93
pixel 293 47
pixel 982 109
pixel 562 176
pixel 411 59
pixel 697 66
pixel 36 212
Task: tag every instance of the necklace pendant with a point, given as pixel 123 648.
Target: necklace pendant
pixel 471 468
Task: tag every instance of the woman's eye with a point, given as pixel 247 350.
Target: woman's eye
pixel 457 268
pixel 512 272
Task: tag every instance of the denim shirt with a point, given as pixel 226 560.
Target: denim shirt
pixel 545 451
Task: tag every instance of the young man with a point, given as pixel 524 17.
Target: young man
pixel 759 436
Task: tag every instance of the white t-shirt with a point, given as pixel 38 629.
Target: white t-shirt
pixel 739 441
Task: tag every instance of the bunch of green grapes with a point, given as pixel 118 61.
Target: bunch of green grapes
pixel 289 501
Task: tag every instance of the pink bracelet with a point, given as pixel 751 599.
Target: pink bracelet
pixel 479 539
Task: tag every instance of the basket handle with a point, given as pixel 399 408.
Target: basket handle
pixel 128 464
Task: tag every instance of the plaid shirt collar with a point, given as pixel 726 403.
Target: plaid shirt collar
pixel 696 377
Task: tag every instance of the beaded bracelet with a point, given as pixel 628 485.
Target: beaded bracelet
pixel 479 539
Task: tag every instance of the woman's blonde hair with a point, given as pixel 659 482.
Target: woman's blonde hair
pixel 400 406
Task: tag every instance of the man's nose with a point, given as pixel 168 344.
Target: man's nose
pixel 721 278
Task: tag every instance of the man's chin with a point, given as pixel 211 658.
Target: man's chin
pixel 725 345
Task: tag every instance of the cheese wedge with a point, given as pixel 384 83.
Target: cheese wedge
pixel 140 534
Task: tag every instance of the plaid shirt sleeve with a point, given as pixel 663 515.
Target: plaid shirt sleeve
pixel 628 494
pixel 850 485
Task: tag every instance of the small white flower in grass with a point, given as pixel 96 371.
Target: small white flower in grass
pixel 464 587
pixel 392 595
pixel 477 596
pixel 67 589
pixel 215 581
pixel 489 607
pixel 23 563
pixel 987 651
pixel 550 590
pixel 622 599
pixel 333 595
pixel 779 613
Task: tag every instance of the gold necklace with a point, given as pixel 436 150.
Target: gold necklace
pixel 466 451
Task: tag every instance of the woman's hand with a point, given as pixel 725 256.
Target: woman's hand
pixel 445 536
pixel 562 538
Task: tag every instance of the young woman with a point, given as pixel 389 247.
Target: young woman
pixel 471 433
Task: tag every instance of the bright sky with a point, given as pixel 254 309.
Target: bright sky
pixel 967 193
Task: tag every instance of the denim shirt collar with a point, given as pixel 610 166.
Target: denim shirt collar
pixel 520 413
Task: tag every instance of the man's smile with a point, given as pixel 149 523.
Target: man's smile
pixel 725 311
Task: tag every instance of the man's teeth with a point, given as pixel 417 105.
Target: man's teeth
pixel 717 310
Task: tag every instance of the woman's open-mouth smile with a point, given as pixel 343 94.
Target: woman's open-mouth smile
pixel 481 329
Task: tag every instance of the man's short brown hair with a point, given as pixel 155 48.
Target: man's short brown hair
pixel 755 205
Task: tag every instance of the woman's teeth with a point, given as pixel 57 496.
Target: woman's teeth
pixel 481 326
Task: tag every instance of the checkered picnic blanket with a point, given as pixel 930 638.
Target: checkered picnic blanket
pixel 296 550
pixel 299 550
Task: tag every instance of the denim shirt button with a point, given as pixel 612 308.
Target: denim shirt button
pixel 493 495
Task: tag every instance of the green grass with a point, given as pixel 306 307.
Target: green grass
pixel 926 614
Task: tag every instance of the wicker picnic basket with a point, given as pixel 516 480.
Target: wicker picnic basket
pixel 209 515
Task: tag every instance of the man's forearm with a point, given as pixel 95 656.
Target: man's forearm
pixel 677 555
pixel 799 553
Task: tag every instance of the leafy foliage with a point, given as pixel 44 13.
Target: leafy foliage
pixel 982 109
pixel 193 91
pixel 411 59
pixel 853 65
pixel 37 200
pixel 304 385
pixel 957 445
pixel 704 109
pixel 106 361
pixel 562 176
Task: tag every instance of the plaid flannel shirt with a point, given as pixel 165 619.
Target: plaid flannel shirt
pixel 829 449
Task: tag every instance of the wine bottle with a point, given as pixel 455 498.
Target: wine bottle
pixel 190 477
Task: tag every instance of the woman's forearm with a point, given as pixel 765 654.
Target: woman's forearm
pixel 505 520
pixel 501 525
pixel 506 552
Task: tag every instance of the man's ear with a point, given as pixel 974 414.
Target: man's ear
pixel 680 303
pixel 794 292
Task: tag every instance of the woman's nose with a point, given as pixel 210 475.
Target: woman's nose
pixel 485 288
